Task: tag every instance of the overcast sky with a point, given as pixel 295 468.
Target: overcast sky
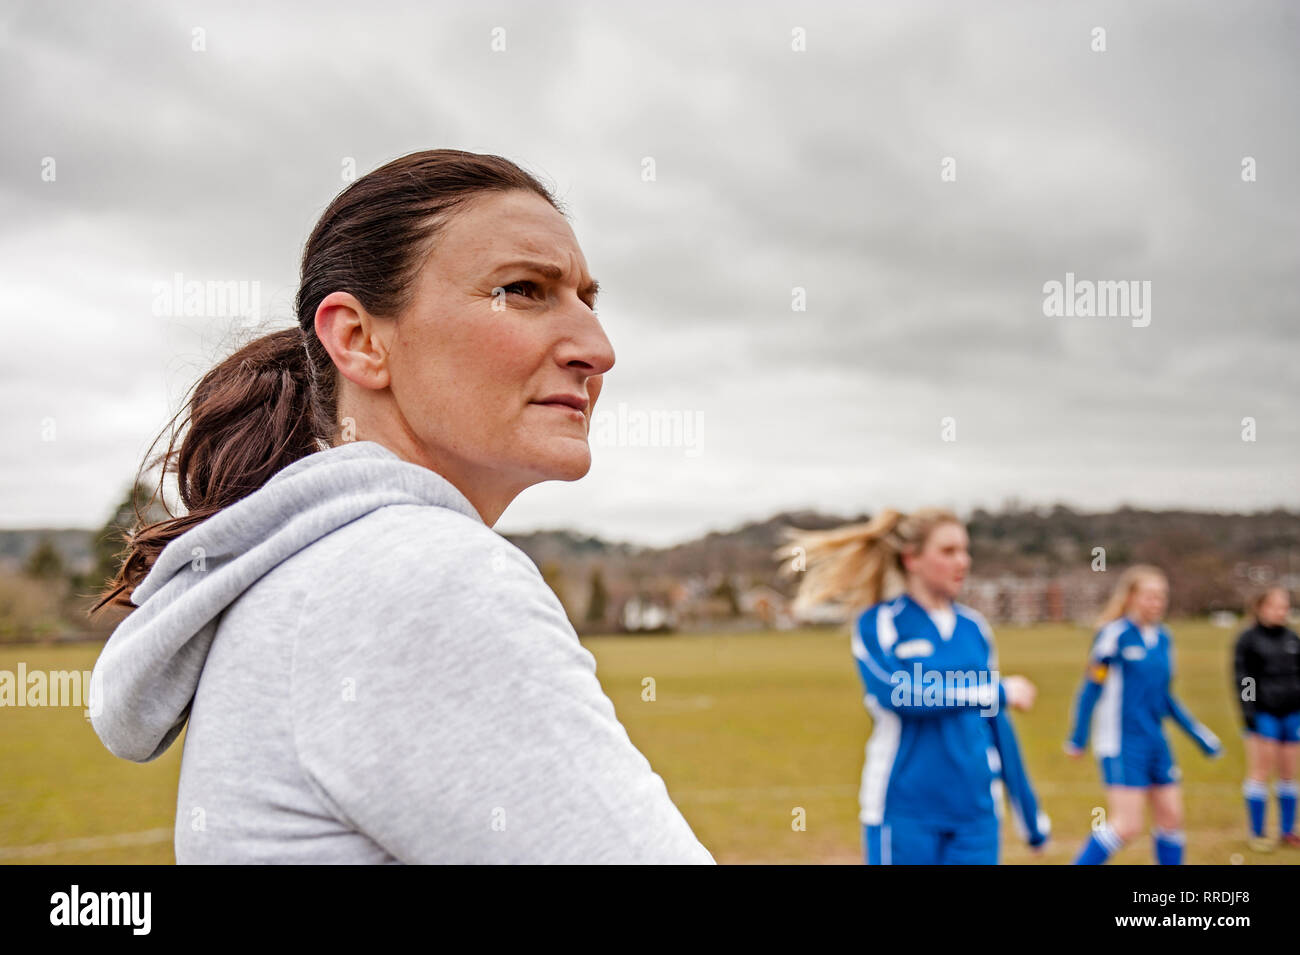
pixel 776 168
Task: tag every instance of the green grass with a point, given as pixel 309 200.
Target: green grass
pixel 59 782
pixel 745 729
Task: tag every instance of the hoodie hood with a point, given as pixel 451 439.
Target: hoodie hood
pixel 148 671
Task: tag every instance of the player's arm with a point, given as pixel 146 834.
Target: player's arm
pixel 1198 731
pixel 1242 671
pixel 1100 660
pixel 1033 824
pixel 899 686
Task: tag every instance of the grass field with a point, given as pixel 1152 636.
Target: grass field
pixel 745 729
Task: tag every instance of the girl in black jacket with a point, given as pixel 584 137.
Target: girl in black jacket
pixel 1267 666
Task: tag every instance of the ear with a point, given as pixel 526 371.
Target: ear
pixel 356 340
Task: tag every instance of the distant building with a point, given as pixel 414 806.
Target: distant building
pixel 822 613
pixel 1021 600
pixel 646 616
pixel 767 605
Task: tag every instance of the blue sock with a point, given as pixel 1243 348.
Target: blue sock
pixel 1100 846
pixel 1168 846
pixel 1256 793
pixel 1286 793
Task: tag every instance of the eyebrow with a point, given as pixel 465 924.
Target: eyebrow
pixel 552 272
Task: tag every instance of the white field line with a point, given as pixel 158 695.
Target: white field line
pixel 88 843
pixel 758 793
pixel 154 836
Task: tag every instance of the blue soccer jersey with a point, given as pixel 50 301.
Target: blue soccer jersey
pixel 942 748
pixel 1123 703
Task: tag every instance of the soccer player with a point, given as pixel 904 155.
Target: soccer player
pixel 942 748
pixel 1266 661
pixel 1125 698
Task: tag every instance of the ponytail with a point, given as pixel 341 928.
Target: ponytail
pixel 251 415
pixel 858 565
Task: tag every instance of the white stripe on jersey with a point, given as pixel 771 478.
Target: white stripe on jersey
pixel 886 632
pixel 881 751
pixel 1108 640
pixel 1106 718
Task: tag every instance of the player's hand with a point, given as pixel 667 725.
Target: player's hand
pixel 1046 836
pixel 1072 751
pixel 1020 692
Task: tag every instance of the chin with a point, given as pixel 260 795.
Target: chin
pixel 567 467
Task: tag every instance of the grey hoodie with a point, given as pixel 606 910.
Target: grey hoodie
pixel 372 674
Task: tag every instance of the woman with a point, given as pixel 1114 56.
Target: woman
pixel 1127 685
pixel 942 744
pixel 1266 662
pixel 369 671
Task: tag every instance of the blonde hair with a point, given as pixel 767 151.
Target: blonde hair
pixel 1128 582
pixel 858 565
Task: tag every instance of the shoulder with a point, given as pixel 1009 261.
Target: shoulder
pixel 1106 642
pixel 414 568
pixel 876 625
pixel 975 617
pixel 402 544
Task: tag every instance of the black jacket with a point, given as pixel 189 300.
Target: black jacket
pixel 1270 656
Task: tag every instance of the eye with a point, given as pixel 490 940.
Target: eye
pixel 530 286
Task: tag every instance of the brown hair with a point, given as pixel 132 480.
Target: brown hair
pixel 1128 582
pixel 858 565
pixel 1258 599
pixel 275 400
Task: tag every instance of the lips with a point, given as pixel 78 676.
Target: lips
pixel 576 402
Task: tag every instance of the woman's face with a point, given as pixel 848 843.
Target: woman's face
pixel 1275 608
pixel 485 342
pixel 943 560
pixel 1148 600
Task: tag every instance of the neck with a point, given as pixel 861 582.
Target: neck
pixel 928 598
pixel 489 491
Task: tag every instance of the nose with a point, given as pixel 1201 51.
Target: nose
pixel 586 346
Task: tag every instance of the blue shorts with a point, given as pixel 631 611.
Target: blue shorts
pixel 1283 728
pixel 913 842
pixel 1140 766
